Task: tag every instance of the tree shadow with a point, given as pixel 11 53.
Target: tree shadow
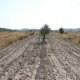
pixel 40 41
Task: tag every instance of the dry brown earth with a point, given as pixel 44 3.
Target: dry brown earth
pixel 30 60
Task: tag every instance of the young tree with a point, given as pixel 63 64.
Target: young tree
pixel 44 31
pixel 61 30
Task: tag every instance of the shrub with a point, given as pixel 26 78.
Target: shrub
pixel 61 30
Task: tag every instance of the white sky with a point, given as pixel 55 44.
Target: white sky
pixel 17 14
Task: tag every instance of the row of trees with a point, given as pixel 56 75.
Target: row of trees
pixel 45 30
pixel 6 30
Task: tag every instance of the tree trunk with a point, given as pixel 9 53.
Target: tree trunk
pixel 44 38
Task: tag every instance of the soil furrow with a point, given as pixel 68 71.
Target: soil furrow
pixel 30 59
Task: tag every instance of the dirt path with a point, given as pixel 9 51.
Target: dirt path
pixel 29 60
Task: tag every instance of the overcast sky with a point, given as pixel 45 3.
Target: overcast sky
pixel 17 14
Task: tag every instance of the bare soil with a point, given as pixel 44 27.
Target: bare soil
pixel 30 60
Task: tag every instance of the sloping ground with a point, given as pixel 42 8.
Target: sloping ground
pixel 29 60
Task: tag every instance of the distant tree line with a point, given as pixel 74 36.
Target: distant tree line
pixel 6 30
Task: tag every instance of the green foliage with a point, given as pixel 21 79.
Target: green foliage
pixel 61 30
pixel 44 30
pixel 6 30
